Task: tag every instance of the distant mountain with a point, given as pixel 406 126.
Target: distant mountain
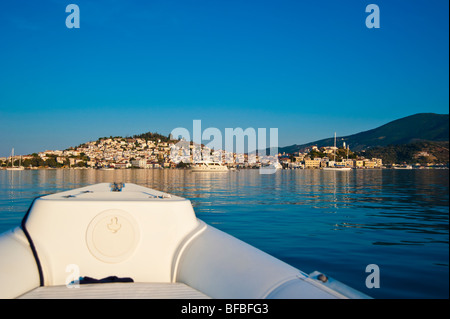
pixel 410 129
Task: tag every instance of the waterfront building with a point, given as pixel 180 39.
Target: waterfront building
pixel 359 163
pixel 369 164
pixel 378 162
pixel 309 163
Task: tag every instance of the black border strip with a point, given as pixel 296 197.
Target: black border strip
pixel 30 241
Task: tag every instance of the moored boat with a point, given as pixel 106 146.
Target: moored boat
pixel 15 168
pixel 337 168
pixel 403 167
pixel 206 166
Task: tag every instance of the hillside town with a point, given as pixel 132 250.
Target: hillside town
pixel 136 152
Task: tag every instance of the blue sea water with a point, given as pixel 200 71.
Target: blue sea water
pixel 334 222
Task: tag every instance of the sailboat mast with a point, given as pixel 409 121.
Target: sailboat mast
pixel 334 147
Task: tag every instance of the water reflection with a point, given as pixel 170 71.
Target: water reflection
pixel 387 199
pixel 353 218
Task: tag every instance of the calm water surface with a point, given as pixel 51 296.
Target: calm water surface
pixel 334 222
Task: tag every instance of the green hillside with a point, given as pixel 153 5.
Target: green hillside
pixel 422 152
pixel 410 129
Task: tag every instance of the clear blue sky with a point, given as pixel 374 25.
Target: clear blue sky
pixel 309 68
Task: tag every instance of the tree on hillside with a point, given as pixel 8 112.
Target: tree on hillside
pixel 152 137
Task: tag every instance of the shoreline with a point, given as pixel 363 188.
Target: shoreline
pixel 241 168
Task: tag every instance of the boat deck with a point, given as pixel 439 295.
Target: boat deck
pixel 117 291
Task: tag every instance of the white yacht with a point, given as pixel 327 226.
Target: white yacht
pixel 128 241
pixel 276 165
pixel 337 168
pixel 270 168
pixel 403 167
pixel 209 167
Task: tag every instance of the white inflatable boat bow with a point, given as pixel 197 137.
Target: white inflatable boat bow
pixel 135 242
